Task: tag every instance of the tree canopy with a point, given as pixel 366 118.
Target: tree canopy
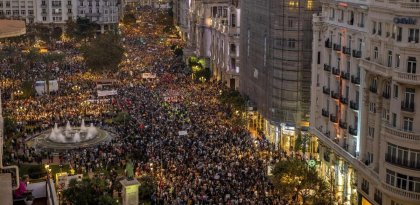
pixel 87 192
pixel 81 29
pixel 104 53
pixel 296 181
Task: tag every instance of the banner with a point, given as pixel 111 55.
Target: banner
pixel 102 93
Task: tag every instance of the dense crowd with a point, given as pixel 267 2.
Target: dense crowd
pixel 211 162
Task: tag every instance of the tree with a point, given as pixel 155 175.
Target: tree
pixel 295 180
pixel 129 18
pixel 104 54
pixel 87 192
pixel 121 118
pixel 82 29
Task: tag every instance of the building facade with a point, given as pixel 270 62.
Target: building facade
pixel 275 74
pixel 211 31
pixel 364 97
pixel 104 12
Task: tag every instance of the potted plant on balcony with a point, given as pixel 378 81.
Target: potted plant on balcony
pixel 29 199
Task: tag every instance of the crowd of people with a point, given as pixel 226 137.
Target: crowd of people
pixel 178 131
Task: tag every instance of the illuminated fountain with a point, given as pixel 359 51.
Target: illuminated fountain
pixel 73 134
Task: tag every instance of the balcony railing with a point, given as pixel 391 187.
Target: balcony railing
pixel 325 113
pixel 328 44
pixel 407 106
pixel 402 163
pixel 373 89
pixel 335 71
pixel 397 133
pixel 342 124
pixel 333 118
pixel 354 105
pixel 327 67
pixel 385 95
pixel 337 47
pixel 355 80
pixel 357 54
pixel 346 50
pixel 345 75
pixel 326 90
pixel 402 193
pixel 344 100
pixel 335 95
pixel 409 78
pixel 352 131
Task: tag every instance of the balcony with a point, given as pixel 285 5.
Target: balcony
pixel 335 95
pixel 408 78
pixel 342 124
pixel 385 95
pixel 333 118
pixel 402 163
pixel 375 68
pixel 344 100
pixel 326 90
pixel 400 134
pixel 328 44
pixel 407 106
pixel 346 50
pixel 327 67
pixel 352 131
pixel 407 195
pixel 355 80
pixel 325 113
pixel 335 71
pixel 354 105
pixel 345 75
pixel 357 54
pixel 337 47
pixel 373 89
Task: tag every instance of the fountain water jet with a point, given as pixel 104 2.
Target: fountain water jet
pixel 73 134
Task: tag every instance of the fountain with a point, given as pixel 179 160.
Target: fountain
pixel 73 134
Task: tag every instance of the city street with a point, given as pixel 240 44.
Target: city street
pixel 177 131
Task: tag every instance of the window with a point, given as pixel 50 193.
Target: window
pixel 411 65
pixel 373 27
pixel 389 58
pixel 371 132
pixel 409 98
pixel 372 107
pixel 375 53
pixel 44 18
pixel 395 91
pixel 408 124
pixel 351 18
pixel 292 43
pixel 413 35
pixel 290 23
pixel 394 120
pixel 399 34
pixel 233 20
pixel 397 60
pixel 265 51
pixel 362 20
pixel 385 114
pixel 319 58
pixel 370 158
pixel 380 28
pixel 248 42
pixel 69 3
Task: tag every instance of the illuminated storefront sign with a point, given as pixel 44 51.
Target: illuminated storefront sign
pixel 409 21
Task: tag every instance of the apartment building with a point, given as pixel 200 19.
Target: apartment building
pixel 363 108
pixel 276 50
pixel 211 30
pixel 18 9
pixel 104 12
